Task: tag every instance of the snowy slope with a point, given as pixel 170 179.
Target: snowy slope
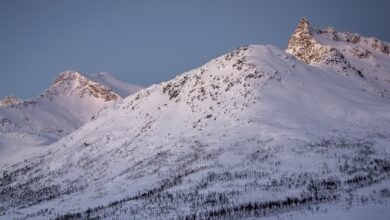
pixel 71 101
pixel 107 80
pixel 254 133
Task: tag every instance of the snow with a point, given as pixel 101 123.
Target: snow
pixel 9 100
pixel 376 211
pixel 107 80
pixel 58 111
pixel 255 126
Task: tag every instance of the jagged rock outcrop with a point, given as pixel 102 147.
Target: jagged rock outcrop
pixel 302 45
pixel 10 100
pixel 306 48
pixel 74 82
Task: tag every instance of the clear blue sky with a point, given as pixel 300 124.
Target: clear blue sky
pixel 146 42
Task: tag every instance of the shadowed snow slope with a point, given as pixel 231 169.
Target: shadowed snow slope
pixel 107 80
pixel 253 133
pixel 71 101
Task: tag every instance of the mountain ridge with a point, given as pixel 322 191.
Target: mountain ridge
pixel 253 133
pixel 9 100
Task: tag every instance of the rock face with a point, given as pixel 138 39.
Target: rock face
pixel 74 83
pixel 10 100
pixel 302 44
pixel 306 48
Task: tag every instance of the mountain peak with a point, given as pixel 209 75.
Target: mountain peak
pixel 327 46
pixel 68 75
pixel 347 53
pixel 305 45
pixel 75 83
pixel 301 42
pixel 304 29
pixel 304 25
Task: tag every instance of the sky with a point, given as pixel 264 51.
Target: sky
pixel 146 42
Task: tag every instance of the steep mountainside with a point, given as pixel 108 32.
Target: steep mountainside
pixel 253 133
pixel 71 101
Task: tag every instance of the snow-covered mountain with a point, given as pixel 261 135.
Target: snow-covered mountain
pixel 253 133
pixel 71 101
